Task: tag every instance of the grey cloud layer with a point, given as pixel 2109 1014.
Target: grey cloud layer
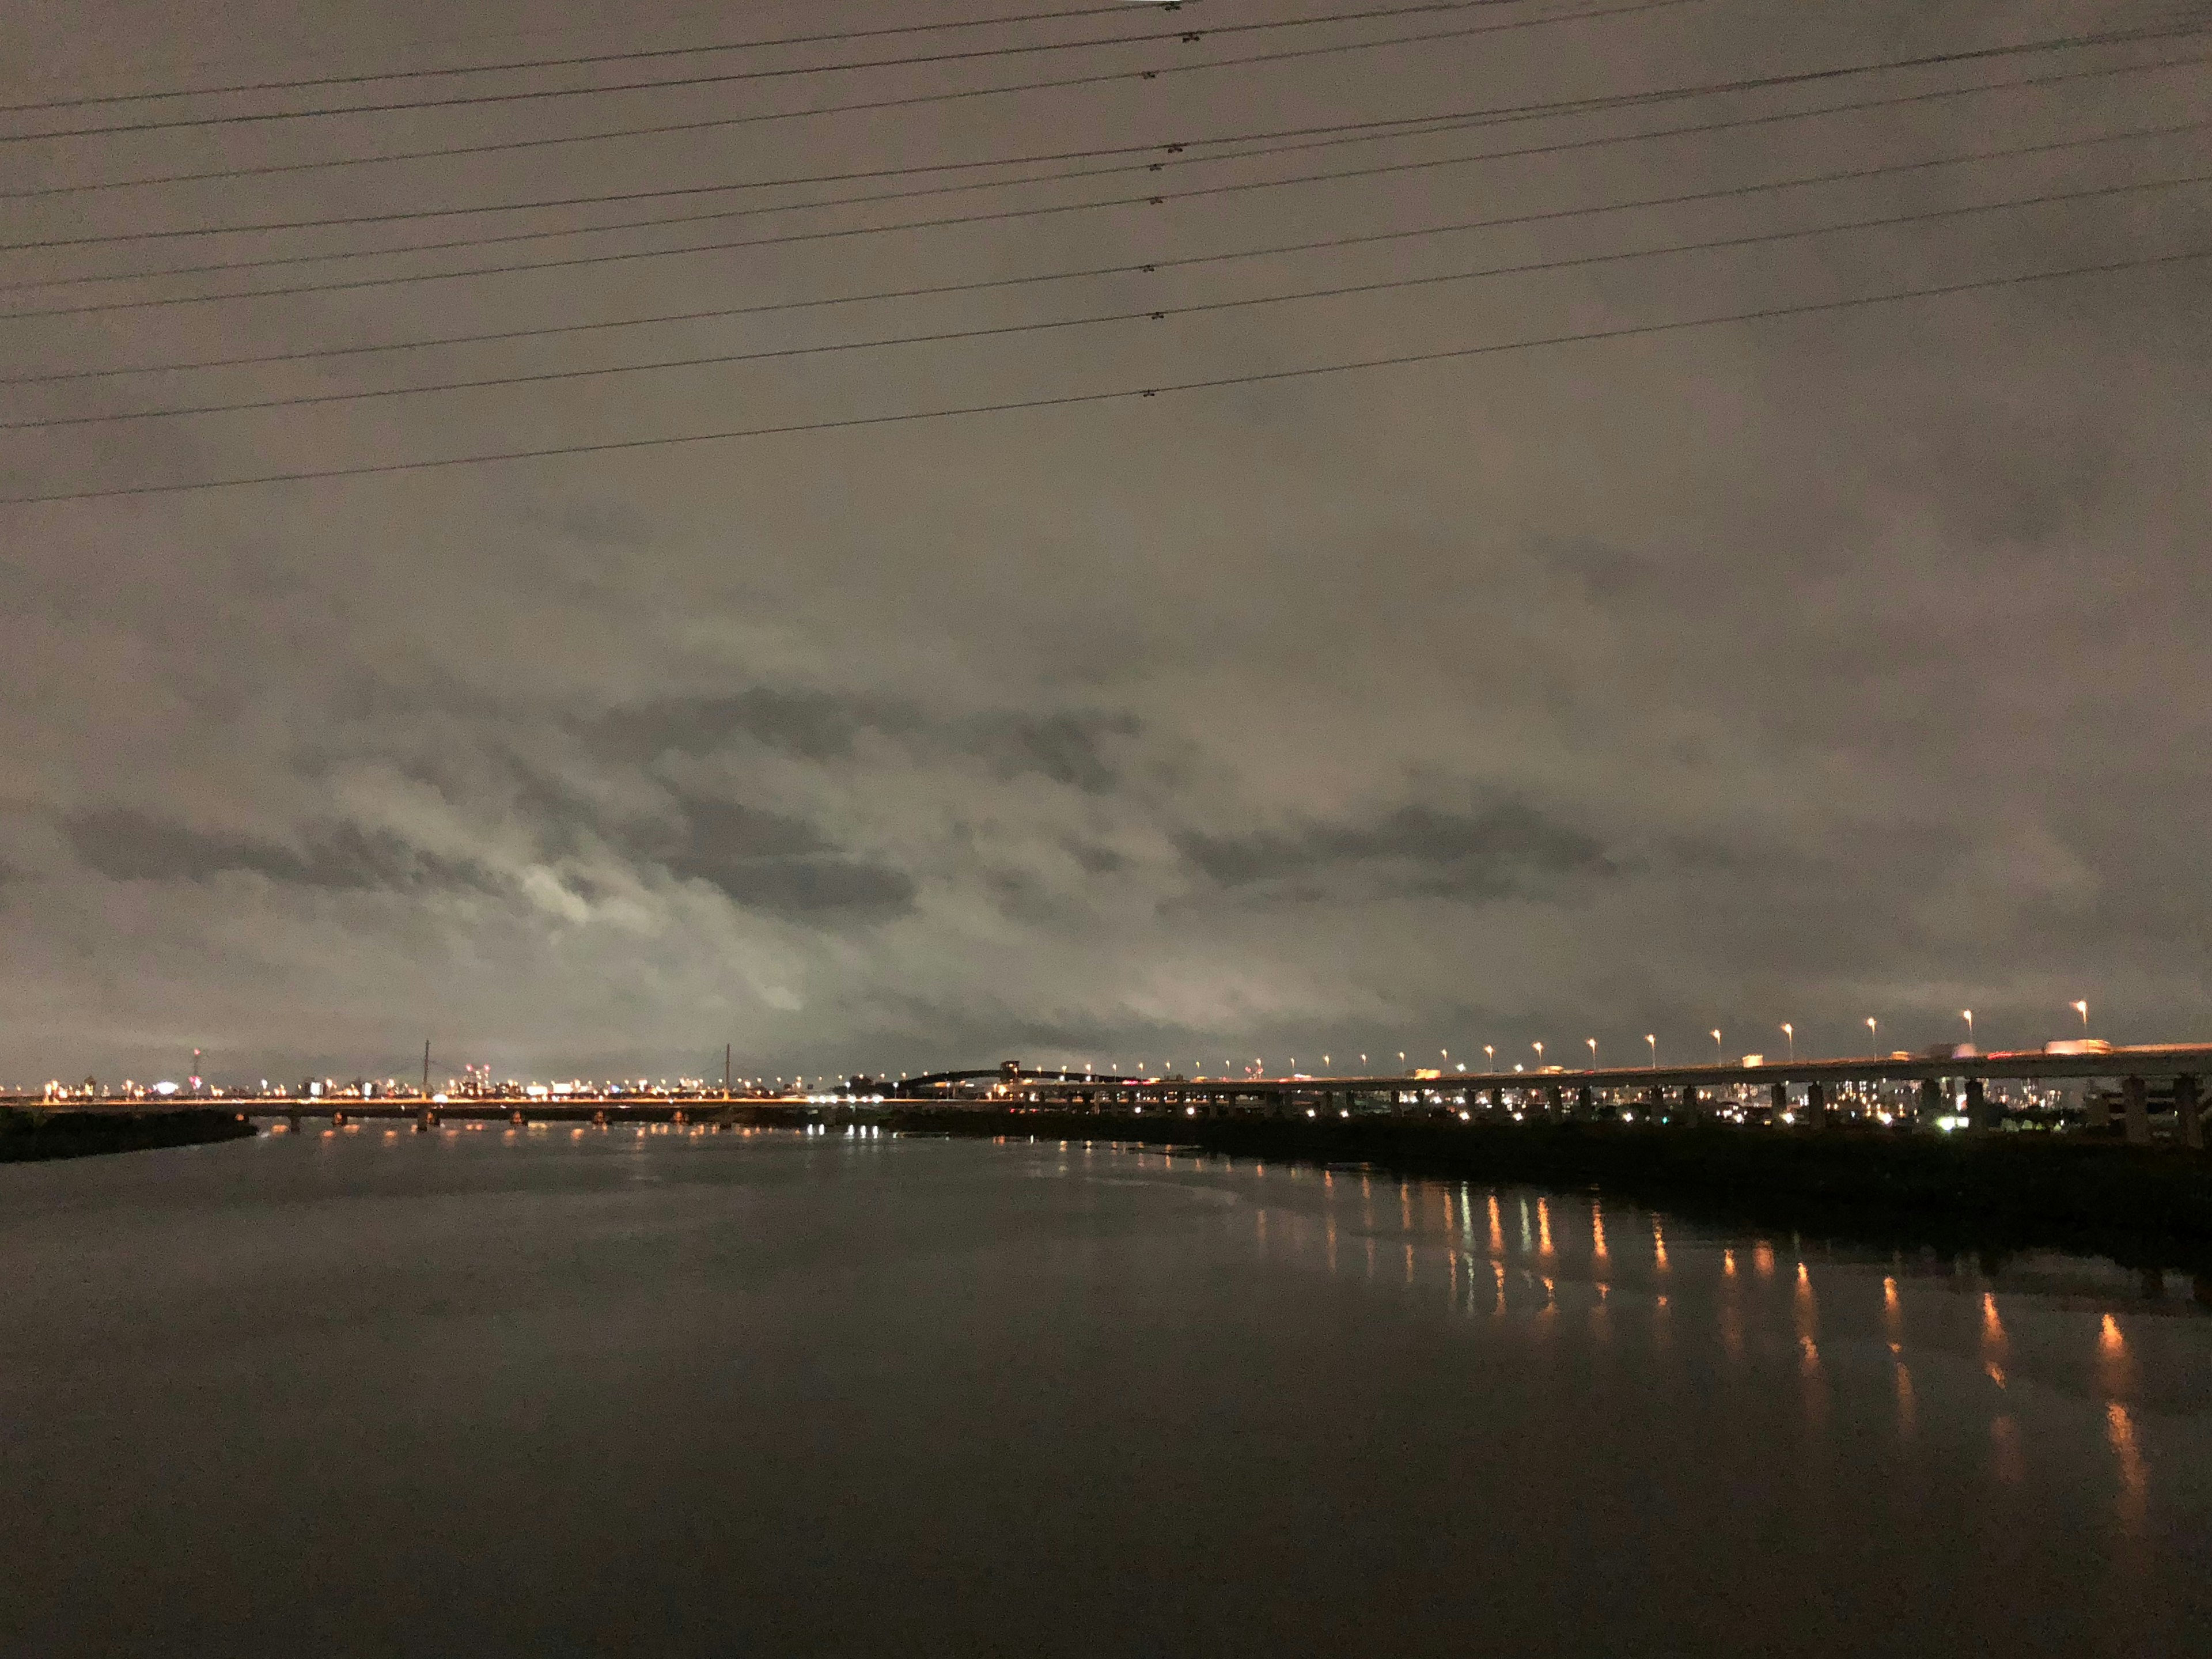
pixel 1843 667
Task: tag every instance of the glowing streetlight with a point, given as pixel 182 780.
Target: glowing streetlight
pixel 1790 1032
pixel 1490 1055
pixel 1538 1048
pixel 1968 1014
pixel 1593 1049
pixel 1873 1034
pixel 1401 1059
pixel 2082 1009
pixel 1717 1060
pixel 1652 1038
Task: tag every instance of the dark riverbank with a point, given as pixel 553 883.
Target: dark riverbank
pixel 30 1133
pixel 2149 1207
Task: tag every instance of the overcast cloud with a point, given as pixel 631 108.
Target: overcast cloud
pixel 1849 665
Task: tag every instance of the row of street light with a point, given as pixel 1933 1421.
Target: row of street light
pixel 1788 1031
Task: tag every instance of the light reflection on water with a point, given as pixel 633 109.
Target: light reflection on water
pixel 2076 1313
pixel 1062 1332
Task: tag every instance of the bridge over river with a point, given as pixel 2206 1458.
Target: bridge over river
pixel 2125 1090
pixel 2165 1078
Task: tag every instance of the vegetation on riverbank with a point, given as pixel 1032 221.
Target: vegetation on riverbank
pixel 2140 1206
pixel 27 1133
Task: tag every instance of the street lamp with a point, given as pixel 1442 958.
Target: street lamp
pixel 1538 1048
pixel 1873 1034
pixel 1490 1055
pixel 1652 1038
pixel 1717 1060
pixel 1968 1014
pixel 1401 1059
pixel 1593 1049
pixel 2082 1009
pixel 1790 1032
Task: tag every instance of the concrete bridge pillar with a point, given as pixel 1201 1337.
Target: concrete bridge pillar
pixel 2185 1107
pixel 425 1121
pixel 1496 1097
pixel 1816 1104
pixel 2134 1098
pixel 1777 1097
pixel 1931 1101
pixel 1979 1112
pixel 1690 1101
pixel 1585 1101
pixel 292 1121
pixel 1552 1104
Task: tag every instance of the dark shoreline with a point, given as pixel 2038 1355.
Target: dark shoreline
pixel 1995 1196
pixel 31 1135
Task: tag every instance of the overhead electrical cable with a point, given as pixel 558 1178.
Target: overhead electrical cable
pixel 584 60
pixel 266 262
pixel 329 49
pixel 1560 107
pixel 1161 158
pixel 784 239
pixel 1122 394
pixel 1162 313
pixel 2055 43
pixel 728 78
pixel 305 354
pixel 1352 132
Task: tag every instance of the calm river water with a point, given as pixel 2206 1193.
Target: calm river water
pixel 560 1391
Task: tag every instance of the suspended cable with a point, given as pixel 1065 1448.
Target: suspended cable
pixel 707 122
pixel 266 262
pixel 1121 8
pixel 730 77
pixel 1162 313
pixel 1605 142
pixel 1067 400
pixel 1506 116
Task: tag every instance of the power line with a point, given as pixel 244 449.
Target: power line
pixel 1509 115
pixel 1123 8
pixel 706 123
pixel 1156 314
pixel 1352 133
pixel 1186 37
pixel 270 261
pixel 1119 394
pixel 1605 142
pixel 1399 126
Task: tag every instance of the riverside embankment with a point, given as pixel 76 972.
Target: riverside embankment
pixel 2144 1206
pixel 27 1133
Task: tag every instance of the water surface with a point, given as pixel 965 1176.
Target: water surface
pixel 568 1390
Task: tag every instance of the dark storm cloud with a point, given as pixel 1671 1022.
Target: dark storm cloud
pixel 774 863
pixel 1497 852
pixel 1071 747
pixel 126 845
pixel 816 726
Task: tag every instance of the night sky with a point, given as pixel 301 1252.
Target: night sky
pixel 1842 663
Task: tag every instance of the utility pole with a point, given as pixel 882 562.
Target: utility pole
pixel 426 1068
pixel 726 1070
